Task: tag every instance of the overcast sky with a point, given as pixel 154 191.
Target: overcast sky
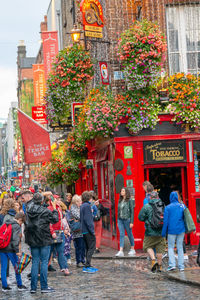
pixel 19 20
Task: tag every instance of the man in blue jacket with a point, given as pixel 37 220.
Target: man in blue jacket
pixel 174 228
pixel 87 227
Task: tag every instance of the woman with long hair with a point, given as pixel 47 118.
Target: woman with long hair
pixel 125 220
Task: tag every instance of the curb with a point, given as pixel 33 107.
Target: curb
pixel 120 258
pixel 181 280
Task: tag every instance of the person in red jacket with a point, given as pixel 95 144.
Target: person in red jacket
pixel 58 229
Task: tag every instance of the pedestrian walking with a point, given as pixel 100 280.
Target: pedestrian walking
pixel 38 237
pixel 153 240
pixel 174 228
pixel 12 252
pixel 87 227
pixel 79 243
pixel 125 221
pixel 57 231
pixel 148 188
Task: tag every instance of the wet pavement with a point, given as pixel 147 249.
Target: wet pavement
pixel 117 279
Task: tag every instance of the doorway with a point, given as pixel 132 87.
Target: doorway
pixel 166 180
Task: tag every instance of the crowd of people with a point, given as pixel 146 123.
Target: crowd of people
pixel 49 223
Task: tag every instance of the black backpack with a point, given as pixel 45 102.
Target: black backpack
pixel 157 214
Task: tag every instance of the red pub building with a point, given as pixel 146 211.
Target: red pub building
pixel 168 157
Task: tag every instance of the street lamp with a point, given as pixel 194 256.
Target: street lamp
pixel 75 34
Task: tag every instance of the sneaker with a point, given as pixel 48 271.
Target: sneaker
pixel 182 270
pixel 94 269
pixel 32 291
pixel 6 289
pixel 22 288
pixel 79 265
pixel 97 251
pixel 66 272
pixel 48 290
pixel 88 270
pixel 154 266
pixel 186 257
pixel 119 254
pixel 171 269
pixel 69 261
pixel 51 269
pixel 132 252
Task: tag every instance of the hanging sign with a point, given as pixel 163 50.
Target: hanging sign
pixel 50 49
pixel 39 115
pixel 171 151
pixel 104 72
pixel 93 20
pixel 38 84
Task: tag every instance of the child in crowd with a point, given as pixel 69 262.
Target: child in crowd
pixel 68 239
pixel 12 251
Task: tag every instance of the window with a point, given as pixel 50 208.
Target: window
pixel 183 37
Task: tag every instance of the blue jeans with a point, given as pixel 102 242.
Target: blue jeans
pixel 62 261
pixel 79 245
pixel 4 263
pixel 178 238
pixel 125 225
pixel 39 254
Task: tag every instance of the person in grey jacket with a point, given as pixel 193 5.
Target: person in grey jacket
pixel 125 220
pixel 12 251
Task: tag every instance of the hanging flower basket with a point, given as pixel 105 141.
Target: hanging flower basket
pixel 141 51
pixel 71 72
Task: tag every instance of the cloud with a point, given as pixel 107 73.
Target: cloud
pixel 8 89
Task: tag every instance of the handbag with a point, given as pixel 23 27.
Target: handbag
pixel 22 263
pixel 189 223
pixel 74 226
pixel 59 237
pixel 97 217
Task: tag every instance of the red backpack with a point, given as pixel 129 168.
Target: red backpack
pixel 5 235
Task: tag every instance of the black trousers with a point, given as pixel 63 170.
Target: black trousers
pixel 90 246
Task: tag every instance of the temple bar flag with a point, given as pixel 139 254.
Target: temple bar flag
pixel 35 139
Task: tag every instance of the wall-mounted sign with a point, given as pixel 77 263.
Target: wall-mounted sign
pixel 118 75
pixel 196 171
pixel 104 72
pixel 156 152
pixel 89 164
pixel 39 115
pixel 93 22
pixel 38 83
pixel 128 152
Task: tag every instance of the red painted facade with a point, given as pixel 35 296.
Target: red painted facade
pixel 103 177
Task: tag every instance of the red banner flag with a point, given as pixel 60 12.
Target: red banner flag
pixel 50 49
pixel 38 84
pixel 35 139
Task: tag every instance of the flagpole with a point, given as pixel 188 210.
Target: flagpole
pixel 32 120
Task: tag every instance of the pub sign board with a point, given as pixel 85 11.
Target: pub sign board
pixel 171 151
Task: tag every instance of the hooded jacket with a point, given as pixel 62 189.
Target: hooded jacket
pixel 145 215
pixel 9 216
pixel 86 218
pixel 37 228
pixel 15 237
pixel 173 216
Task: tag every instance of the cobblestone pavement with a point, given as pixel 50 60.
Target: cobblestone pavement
pixel 116 280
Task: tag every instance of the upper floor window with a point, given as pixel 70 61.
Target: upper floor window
pixel 183 38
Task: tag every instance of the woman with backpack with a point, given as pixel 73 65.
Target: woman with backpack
pixel 125 220
pixel 153 232
pixel 174 228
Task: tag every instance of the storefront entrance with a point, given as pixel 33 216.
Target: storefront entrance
pixel 168 179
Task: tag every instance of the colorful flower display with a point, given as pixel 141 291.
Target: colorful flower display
pixel 184 100
pixel 141 50
pixel 71 72
pixel 103 112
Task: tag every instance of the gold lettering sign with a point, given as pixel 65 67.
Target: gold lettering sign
pixel 94 34
pixel 164 151
pixel 93 28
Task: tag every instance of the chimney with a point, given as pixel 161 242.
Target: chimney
pixel 21 50
pixel 43 25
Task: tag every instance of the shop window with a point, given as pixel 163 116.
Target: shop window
pixel 183 37
pixel 105 194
